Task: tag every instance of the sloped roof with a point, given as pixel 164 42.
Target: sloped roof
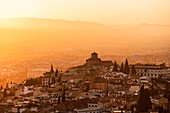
pixel 92 59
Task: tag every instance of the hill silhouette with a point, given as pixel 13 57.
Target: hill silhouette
pixel 25 35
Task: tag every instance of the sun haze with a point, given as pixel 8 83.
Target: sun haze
pixel 30 28
pixel 103 11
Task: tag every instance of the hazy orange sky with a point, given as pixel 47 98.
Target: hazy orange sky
pixel 103 11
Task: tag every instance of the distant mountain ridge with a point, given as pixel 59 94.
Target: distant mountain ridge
pixel 153 25
pixel 27 22
pixel 38 33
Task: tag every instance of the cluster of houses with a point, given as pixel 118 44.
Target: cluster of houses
pixel 90 88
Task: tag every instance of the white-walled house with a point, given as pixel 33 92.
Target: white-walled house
pixel 151 71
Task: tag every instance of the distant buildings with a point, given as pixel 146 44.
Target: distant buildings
pixel 91 88
pixel 48 77
pixel 93 107
pixel 95 61
pixel 151 71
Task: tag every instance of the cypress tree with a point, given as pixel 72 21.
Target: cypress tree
pixel 133 70
pixel 59 78
pixel 147 100
pixel 141 99
pixel 160 108
pixel 63 95
pixel 144 102
pixel 121 68
pixel 1 87
pixel 5 93
pixel 52 70
pixel 56 73
pixel 115 69
pixel 59 99
pixel 7 85
pixel 167 94
pixel 126 69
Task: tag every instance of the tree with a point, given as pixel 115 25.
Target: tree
pixel 160 108
pixel 126 69
pixel 141 103
pixel 115 69
pixel 144 102
pixel 59 78
pixel 5 93
pixel 1 87
pixel 59 99
pixel 56 73
pixel 121 68
pixel 33 81
pixel 7 85
pixel 63 95
pixel 133 70
pixel 166 92
pixel 29 82
pixel 148 103
pixel 52 70
pixel 162 65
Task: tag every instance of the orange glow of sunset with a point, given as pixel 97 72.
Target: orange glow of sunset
pixel 103 11
pixel 72 26
pixel 81 56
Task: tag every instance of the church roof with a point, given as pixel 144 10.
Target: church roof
pixel 94 53
pixel 93 59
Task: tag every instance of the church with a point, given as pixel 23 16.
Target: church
pixel 95 61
